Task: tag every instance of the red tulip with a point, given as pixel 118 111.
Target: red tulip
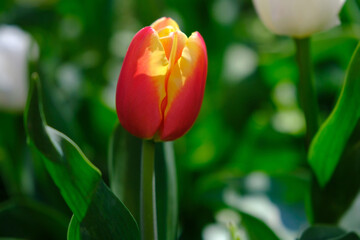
pixel 162 82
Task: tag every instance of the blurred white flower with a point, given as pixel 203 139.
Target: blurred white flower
pixel 289 121
pixel 299 18
pixel 261 207
pixel 240 62
pixel 257 182
pixel 15 46
pixel 351 218
pixel 216 232
pixel 284 95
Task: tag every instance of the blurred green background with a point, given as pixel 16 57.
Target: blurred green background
pixel 245 156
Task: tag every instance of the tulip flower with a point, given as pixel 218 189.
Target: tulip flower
pixel 162 81
pixel 299 18
pixel 15 45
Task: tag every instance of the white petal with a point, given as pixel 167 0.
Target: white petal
pixel 263 10
pixel 299 18
pixel 14 47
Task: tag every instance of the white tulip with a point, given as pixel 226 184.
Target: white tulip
pixel 15 45
pixel 299 18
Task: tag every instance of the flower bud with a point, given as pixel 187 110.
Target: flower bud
pixel 162 82
pixel 299 18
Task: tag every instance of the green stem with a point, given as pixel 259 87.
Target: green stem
pixel 148 224
pixel 308 101
pixel 172 200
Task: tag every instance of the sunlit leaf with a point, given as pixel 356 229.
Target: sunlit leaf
pixel 101 215
pixel 330 141
pixel 67 165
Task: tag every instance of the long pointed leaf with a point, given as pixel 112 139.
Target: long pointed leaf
pixel 324 200
pixel 74 229
pixel 94 206
pixel 124 168
pixel 67 165
pixel 330 141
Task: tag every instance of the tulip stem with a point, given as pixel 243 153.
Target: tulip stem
pixel 148 223
pixel 308 100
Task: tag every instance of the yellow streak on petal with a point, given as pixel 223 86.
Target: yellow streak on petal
pixel 154 63
pixel 164 32
pixel 172 46
pixel 173 50
pixel 184 68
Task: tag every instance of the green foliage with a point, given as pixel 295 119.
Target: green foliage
pixel 330 141
pixel 99 211
pixel 250 123
pixel 108 218
pixel 256 228
pixel 25 217
pixel 71 171
pixel 327 233
pixel 124 161
pixel 74 229
pixel 166 191
pixel 330 202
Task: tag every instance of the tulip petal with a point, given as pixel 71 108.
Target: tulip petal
pixel 168 44
pixel 185 89
pixel 165 22
pixel 141 85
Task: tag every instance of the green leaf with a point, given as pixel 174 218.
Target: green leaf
pixel 74 229
pixel 330 141
pixel 166 191
pixel 101 215
pixel 103 218
pixel 256 229
pixel 124 161
pixel 12 157
pixel 21 219
pixel 71 171
pixel 330 202
pixel 107 218
pixel 327 233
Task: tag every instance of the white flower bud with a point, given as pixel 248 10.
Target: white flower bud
pixel 299 18
pixel 15 45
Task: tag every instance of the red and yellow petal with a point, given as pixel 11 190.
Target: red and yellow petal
pixel 169 45
pixel 163 23
pixel 185 89
pixel 141 85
